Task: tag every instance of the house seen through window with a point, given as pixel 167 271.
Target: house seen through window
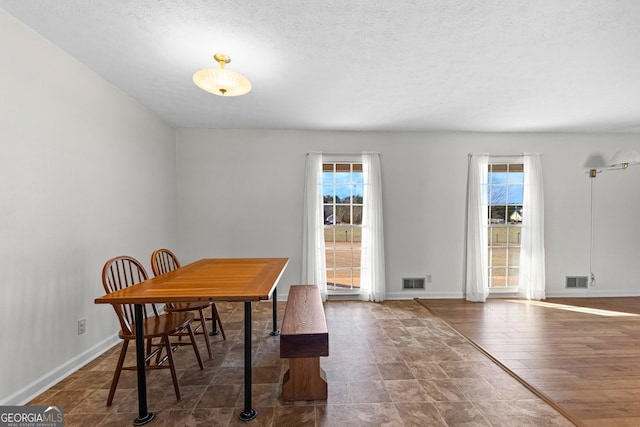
pixel 505 197
pixel 342 193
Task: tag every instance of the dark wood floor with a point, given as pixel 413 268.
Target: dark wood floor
pixel 582 353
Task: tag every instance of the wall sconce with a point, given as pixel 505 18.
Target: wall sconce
pixel 621 160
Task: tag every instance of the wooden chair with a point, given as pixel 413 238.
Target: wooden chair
pixel 163 261
pixel 121 272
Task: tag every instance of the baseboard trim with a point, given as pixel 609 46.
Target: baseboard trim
pixel 26 394
pixel 572 293
pixel 343 297
pixel 591 292
pixel 422 295
pixel 405 295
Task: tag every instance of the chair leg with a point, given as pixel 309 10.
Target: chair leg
pixel 205 332
pixel 216 316
pixel 195 345
pixel 116 374
pixel 172 367
pixel 150 346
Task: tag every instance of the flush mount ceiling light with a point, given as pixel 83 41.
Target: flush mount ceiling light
pixel 621 160
pixel 220 81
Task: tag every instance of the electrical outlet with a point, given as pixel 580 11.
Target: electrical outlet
pixel 428 278
pixel 82 326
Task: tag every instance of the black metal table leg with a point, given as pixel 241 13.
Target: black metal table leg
pixel 249 413
pixel 214 324
pixel 143 415
pixel 275 331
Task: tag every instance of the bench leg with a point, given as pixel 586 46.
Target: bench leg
pixel 304 380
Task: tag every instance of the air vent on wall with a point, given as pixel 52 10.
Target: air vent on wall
pixel 577 282
pixel 413 283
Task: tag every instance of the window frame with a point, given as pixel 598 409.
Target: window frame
pixel 507 226
pixel 355 265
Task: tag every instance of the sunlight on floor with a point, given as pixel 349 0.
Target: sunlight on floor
pixel 587 310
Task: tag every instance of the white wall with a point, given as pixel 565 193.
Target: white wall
pixel 240 194
pixel 86 174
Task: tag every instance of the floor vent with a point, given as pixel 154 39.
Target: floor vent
pixel 413 283
pixel 577 282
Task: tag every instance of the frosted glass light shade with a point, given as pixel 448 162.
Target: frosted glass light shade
pixel 220 81
pixel 625 157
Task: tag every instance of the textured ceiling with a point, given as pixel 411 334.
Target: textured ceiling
pixel 448 65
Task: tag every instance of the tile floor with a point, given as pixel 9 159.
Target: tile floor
pixel 390 364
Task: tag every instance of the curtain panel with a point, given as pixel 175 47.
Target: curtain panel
pixel 476 276
pixel 532 256
pixel 372 283
pixel 313 250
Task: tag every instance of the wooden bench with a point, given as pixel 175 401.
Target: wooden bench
pixel 303 339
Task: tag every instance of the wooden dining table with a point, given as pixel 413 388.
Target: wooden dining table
pixel 212 279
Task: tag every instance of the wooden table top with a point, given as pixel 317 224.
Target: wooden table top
pixel 212 279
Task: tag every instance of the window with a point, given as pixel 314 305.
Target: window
pixel 505 202
pixel 342 199
pixel 343 239
pixel 505 226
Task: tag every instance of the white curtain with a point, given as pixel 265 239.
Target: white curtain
pixel 532 264
pixel 476 274
pixel 313 252
pixel 372 276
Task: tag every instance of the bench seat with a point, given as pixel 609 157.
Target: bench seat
pixel 304 337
